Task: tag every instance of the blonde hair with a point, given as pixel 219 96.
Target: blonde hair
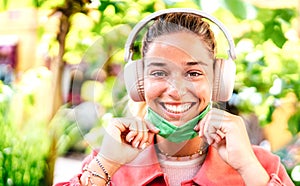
pixel 135 109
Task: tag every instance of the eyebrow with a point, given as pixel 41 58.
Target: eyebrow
pixel 190 63
pixel 156 64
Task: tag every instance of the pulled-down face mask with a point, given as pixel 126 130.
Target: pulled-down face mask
pixel 175 133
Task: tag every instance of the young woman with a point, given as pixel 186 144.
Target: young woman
pixel 182 139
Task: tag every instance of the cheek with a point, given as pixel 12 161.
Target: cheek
pixel 153 89
pixel 203 91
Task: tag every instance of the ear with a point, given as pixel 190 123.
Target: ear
pixel 134 80
pixel 224 77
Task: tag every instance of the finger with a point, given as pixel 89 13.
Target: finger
pixel 198 127
pixel 119 124
pixel 210 140
pixel 215 131
pixel 142 132
pixel 131 125
pixel 147 140
pixel 144 140
pixel 211 134
pixel 220 134
pixel 212 127
pixel 150 137
pixel 215 138
pixel 219 144
pixel 137 140
pixel 204 124
pixel 127 123
pixel 151 127
pixel 131 135
pixel 145 129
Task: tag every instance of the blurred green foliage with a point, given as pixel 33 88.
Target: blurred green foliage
pixel 24 149
pixel 29 144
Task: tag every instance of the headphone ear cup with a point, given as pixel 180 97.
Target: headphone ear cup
pixel 224 77
pixel 134 80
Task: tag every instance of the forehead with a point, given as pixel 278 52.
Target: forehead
pixel 180 46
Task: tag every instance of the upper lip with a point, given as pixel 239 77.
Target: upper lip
pixel 177 107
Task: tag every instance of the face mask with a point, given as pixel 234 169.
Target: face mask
pixel 175 133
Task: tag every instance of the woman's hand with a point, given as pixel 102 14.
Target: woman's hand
pixel 227 133
pixel 125 138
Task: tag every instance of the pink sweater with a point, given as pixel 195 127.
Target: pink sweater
pixel 146 170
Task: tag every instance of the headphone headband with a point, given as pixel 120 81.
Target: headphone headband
pixel 139 26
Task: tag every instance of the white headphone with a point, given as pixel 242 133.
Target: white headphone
pixel 224 69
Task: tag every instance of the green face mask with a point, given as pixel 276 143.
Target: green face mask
pixel 174 133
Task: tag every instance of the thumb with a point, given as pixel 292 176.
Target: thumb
pixel 151 127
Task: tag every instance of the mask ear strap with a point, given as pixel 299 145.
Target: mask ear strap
pixel 139 26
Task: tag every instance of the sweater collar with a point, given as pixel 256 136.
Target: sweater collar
pixel 215 171
pixel 142 170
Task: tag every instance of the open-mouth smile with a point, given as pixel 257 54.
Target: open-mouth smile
pixel 177 108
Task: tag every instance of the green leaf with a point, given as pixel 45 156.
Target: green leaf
pixel 274 32
pixel 117 6
pixel 278 37
pixel 270 113
pixel 103 5
pixel 197 2
pixel 285 14
pixel 36 3
pixel 4 4
pixel 150 7
pixel 240 9
pixel 294 123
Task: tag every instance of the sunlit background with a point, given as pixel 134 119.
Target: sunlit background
pixel 61 67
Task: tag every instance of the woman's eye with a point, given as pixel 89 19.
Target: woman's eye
pixel 194 74
pixel 159 74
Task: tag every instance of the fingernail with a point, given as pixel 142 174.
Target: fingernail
pixel 156 129
pixel 130 139
pixel 210 142
pixel 143 146
pixel 137 144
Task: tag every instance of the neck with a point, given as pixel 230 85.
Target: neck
pixel 186 148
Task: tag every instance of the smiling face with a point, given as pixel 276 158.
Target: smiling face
pixel 178 76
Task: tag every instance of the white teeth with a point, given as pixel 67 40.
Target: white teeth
pixel 178 108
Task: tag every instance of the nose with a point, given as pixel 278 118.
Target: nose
pixel 177 88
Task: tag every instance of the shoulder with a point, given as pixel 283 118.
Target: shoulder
pixel 272 164
pixel 260 152
pixel 270 161
pixel 264 155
